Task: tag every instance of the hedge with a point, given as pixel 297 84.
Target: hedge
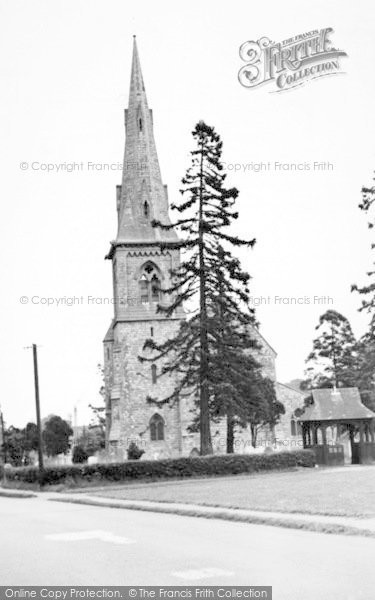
pixel 228 464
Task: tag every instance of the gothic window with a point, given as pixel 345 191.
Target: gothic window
pixel 140 124
pixel 143 288
pixel 149 284
pixel 293 429
pixel 153 374
pixel 156 428
pixel 146 210
pixel 155 289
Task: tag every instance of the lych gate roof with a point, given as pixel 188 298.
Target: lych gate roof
pixel 336 404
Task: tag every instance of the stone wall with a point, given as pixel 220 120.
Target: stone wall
pixel 265 355
pixel 130 385
pixel 288 436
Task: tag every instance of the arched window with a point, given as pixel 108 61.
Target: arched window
pixel 143 288
pixel 293 429
pixel 146 210
pixel 156 428
pixel 149 284
pixel 140 124
pixel 153 374
pixel 155 289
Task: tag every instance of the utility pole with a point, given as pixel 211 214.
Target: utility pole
pixel 38 419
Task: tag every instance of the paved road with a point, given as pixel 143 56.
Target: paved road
pixel 51 543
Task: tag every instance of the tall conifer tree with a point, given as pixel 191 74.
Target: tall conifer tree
pixel 368 291
pixel 334 358
pixel 209 279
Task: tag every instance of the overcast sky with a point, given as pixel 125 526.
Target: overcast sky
pixel 65 79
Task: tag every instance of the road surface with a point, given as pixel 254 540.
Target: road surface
pixel 53 543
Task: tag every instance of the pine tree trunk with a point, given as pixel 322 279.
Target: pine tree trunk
pixel 334 360
pixel 254 433
pixel 230 433
pixel 205 432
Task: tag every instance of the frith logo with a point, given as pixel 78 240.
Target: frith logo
pixel 290 63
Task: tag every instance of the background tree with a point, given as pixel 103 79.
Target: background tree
pixel 366 344
pixel 56 436
pixel 18 443
pixel 14 445
pixel 264 409
pixel 368 291
pixel 79 454
pixel 236 375
pixel 98 421
pixel 31 440
pixel 91 439
pixel 307 401
pixel 206 211
pixel 334 358
pixel 366 366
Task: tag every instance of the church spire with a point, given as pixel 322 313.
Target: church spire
pixel 136 80
pixel 142 196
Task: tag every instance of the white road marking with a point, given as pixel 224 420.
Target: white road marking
pixel 104 536
pixel 202 573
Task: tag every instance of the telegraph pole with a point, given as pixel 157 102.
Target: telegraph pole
pixel 38 419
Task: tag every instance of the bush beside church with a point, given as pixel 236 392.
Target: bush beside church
pixel 177 468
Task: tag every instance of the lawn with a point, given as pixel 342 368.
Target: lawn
pixel 348 491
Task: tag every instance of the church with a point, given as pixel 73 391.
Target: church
pixel 141 265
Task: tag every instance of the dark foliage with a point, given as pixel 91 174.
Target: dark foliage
pixel 338 358
pixel 91 439
pixel 366 366
pixel 79 454
pixel 209 356
pixel 134 453
pixel 334 358
pixel 18 443
pixel 56 436
pixel 98 421
pixel 163 469
pixel 368 291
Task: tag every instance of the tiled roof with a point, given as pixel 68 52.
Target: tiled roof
pixel 333 405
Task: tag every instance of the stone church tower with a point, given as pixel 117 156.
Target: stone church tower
pixel 142 259
pixel 140 267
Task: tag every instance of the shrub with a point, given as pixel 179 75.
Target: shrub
pixel 79 454
pixel 178 468
pixel 134 453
